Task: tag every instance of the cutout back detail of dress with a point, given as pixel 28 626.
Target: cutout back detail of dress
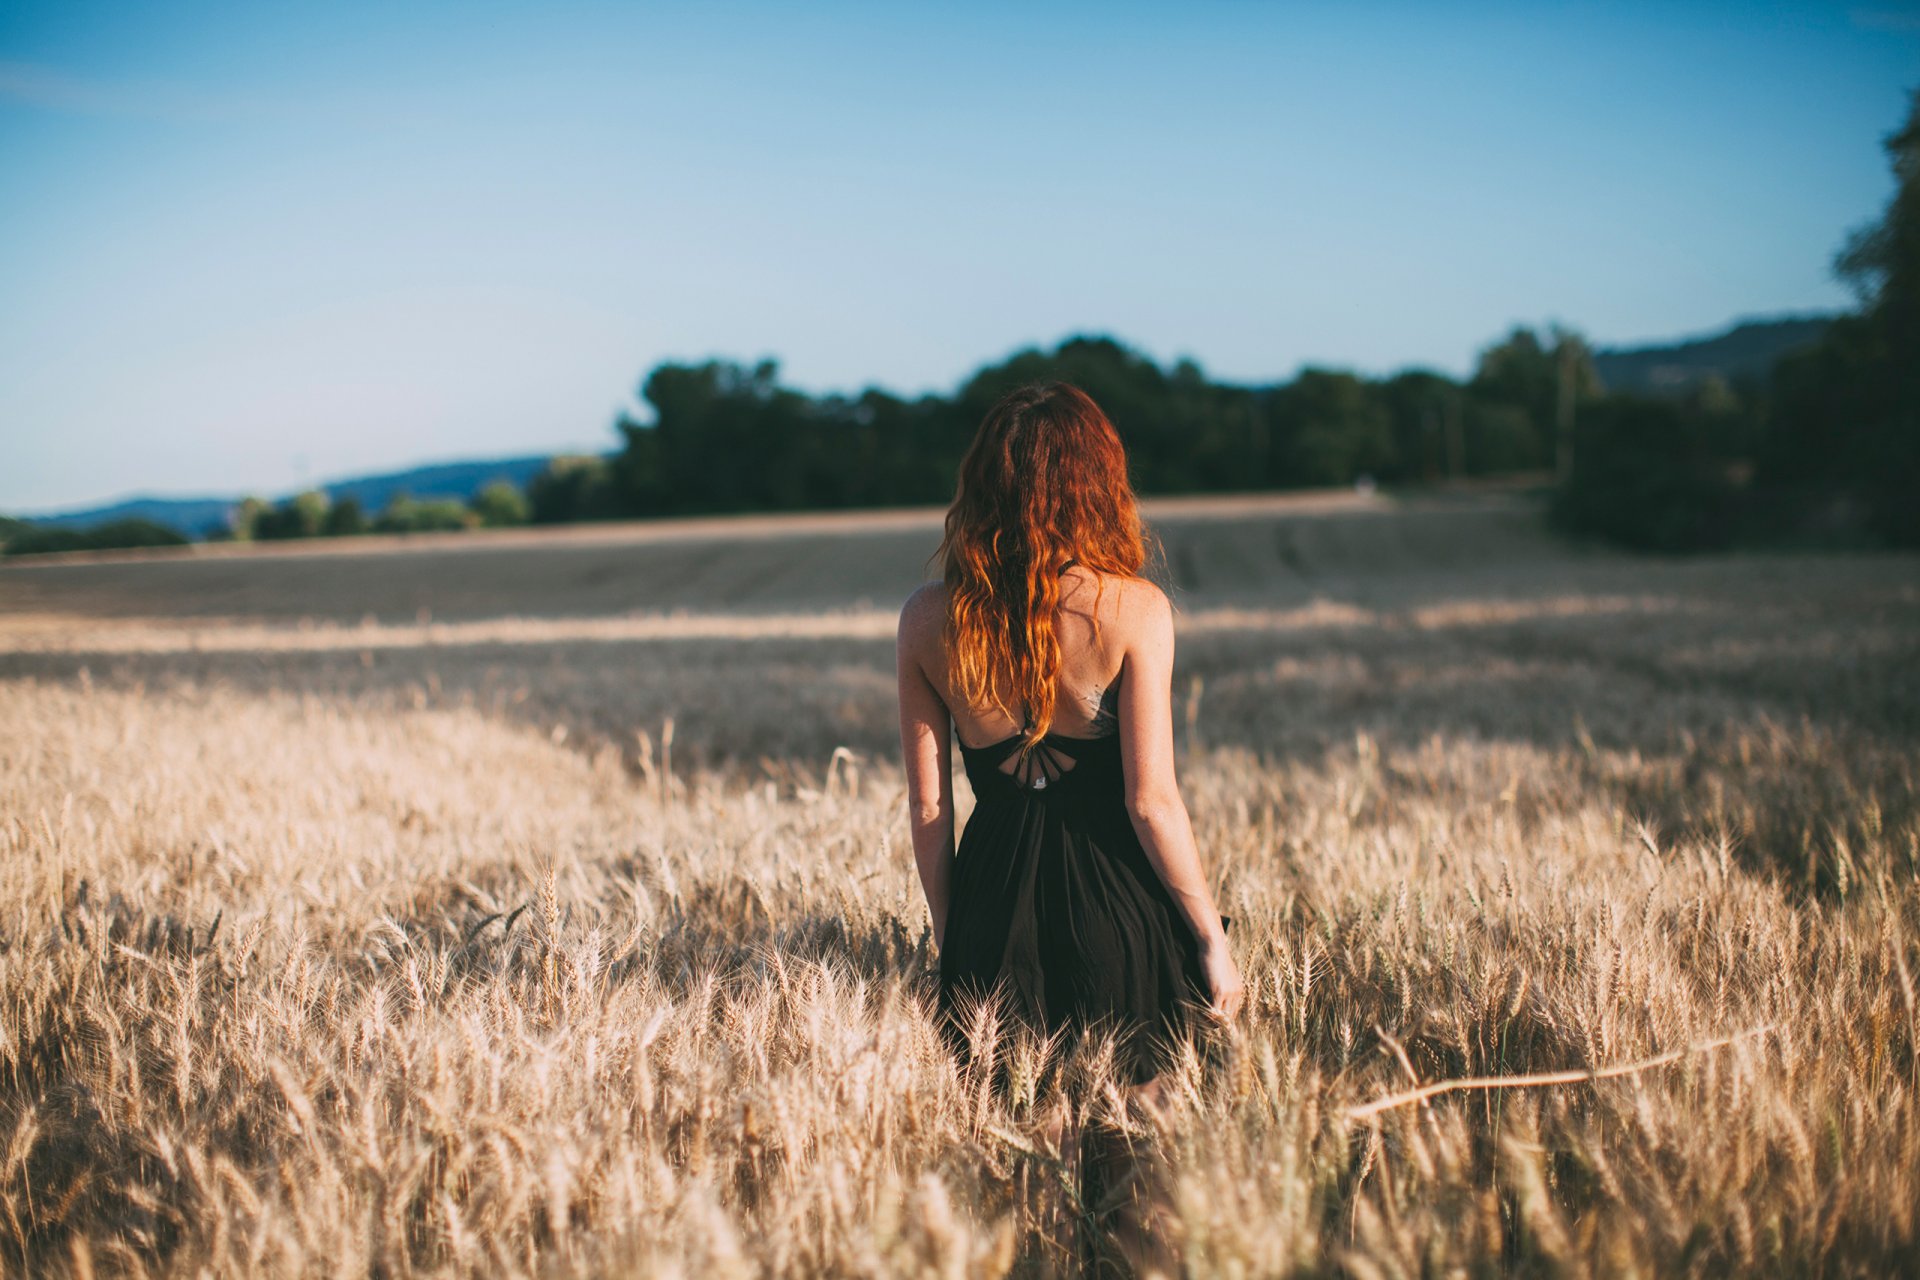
pixel 1049 761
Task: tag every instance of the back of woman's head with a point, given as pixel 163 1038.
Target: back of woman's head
pixel 1043 485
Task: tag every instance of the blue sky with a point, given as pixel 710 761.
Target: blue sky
pixel 246 246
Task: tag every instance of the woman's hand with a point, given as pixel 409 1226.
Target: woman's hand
pixel 1224 984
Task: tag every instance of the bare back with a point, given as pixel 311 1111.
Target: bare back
pixel 1093 667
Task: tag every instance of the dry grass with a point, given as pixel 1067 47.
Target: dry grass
pixel 414 950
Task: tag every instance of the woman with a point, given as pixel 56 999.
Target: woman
pixel 1076 892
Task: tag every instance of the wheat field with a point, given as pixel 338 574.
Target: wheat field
pixel 544 907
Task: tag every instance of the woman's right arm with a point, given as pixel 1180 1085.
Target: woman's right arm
pixel 1153 797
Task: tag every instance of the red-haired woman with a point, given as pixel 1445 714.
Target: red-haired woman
pixel 1076 892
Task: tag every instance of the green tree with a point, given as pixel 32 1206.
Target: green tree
pixel 500 505
pixel 574 487
pixel 725 437
pixel 1646 475
pixel 407 514
pixel 1881 260
pixel 1426 411
pixel 1548 380
pixel 246 517
pixel 1517 369
pixel 345 519
pixel 1500 437
pixel 1332 427
pixel 301 516
pixel 1850 410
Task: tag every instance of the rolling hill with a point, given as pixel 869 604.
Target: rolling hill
pixel 196 517
pixel 1743 353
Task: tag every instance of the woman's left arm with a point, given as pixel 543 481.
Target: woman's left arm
pixel 926 731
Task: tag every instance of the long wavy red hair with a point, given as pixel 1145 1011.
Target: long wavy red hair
pixel 1043 485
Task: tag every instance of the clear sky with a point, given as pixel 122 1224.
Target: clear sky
pixel 245 246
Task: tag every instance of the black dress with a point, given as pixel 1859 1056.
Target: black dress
pixel 1055 908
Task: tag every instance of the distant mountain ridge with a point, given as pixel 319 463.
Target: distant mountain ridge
pixel 194 517
pixel 197 517
pixel 460 480
pixel 1743 353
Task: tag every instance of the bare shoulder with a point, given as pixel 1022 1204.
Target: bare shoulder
pixel 1140 608
pixel 924 613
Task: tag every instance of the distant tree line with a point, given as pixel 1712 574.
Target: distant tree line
pixel 1671 472
pixel 1824 445
pixel 24 538
pixel 313 514
pixel 729 437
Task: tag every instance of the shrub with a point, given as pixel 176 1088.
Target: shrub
pixel 500 504
pixel 32 539
pixel 437 515
pixel 344 519
pixel 302 516
pixel 1645 475
pixel 573 487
